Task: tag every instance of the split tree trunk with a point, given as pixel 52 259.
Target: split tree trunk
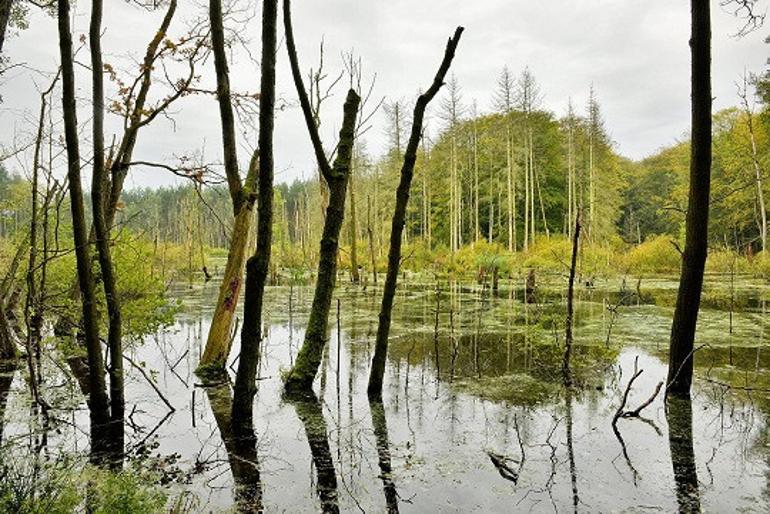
pixel 397 225
pixel 680 364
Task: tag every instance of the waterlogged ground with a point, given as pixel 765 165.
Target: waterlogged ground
pixel 474 417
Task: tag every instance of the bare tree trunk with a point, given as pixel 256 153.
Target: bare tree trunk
pixel 109 282
pixel 258 265
pixel 565 367
pixel 755 161
pixel 511 199
pixel 219 336
pixel 371 237
pixel 477 228
pixel 98 401
pixel 242 197
pixel 353 230
pixel 681 349
pixel 302 374
pixel 526 192
pixel 397 226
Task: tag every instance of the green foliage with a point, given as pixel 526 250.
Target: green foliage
pixel 126 492
pixel 31 484
pixel 656 255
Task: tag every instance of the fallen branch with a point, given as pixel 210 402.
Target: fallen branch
pixel 621 413
pixel 150 381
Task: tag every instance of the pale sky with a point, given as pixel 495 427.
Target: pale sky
pixel 635 53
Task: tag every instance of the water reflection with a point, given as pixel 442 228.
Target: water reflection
pixel 7 372
pixel 435 445
pixel 310 413
pixel 679 416
pixel 380 424
pixel 241 445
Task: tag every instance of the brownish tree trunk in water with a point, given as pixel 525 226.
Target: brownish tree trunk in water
pixel 219 336
pixel 397 225
pixel 681 349
pixel 8 337
pixel 302 374
pixel 242 197
pixel 98 401
pixel 258 265
pixel 102 239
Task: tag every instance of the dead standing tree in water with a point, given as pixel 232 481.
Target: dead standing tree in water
pixel 397 226
pixel 258 265
pixel 242 197
pixel 101 228
pixel 680 361
pixel 302 374
pixel 98 401
pixel 565 366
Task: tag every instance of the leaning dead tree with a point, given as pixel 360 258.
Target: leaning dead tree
pixel 374 388
pixel 98 401
pixel 302 374
pixel 242 196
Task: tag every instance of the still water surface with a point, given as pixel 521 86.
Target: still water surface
pixel 474 418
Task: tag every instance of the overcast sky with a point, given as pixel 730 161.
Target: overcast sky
pixel 635 53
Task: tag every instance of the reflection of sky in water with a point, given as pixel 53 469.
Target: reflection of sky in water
pixel 439 434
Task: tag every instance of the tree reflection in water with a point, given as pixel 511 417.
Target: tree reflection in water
pixel 380 424
pixel 310 413
pixel 679 416
pixel 241 446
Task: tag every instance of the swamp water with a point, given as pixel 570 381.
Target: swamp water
pixel 474 418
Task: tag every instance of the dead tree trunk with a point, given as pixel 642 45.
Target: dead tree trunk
pixel 680 364
pixel 397 226
pixel 102 230
pixel 565 366
pixel 98 402
pixel 242 197
pixel 258 265
pixel 302 374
